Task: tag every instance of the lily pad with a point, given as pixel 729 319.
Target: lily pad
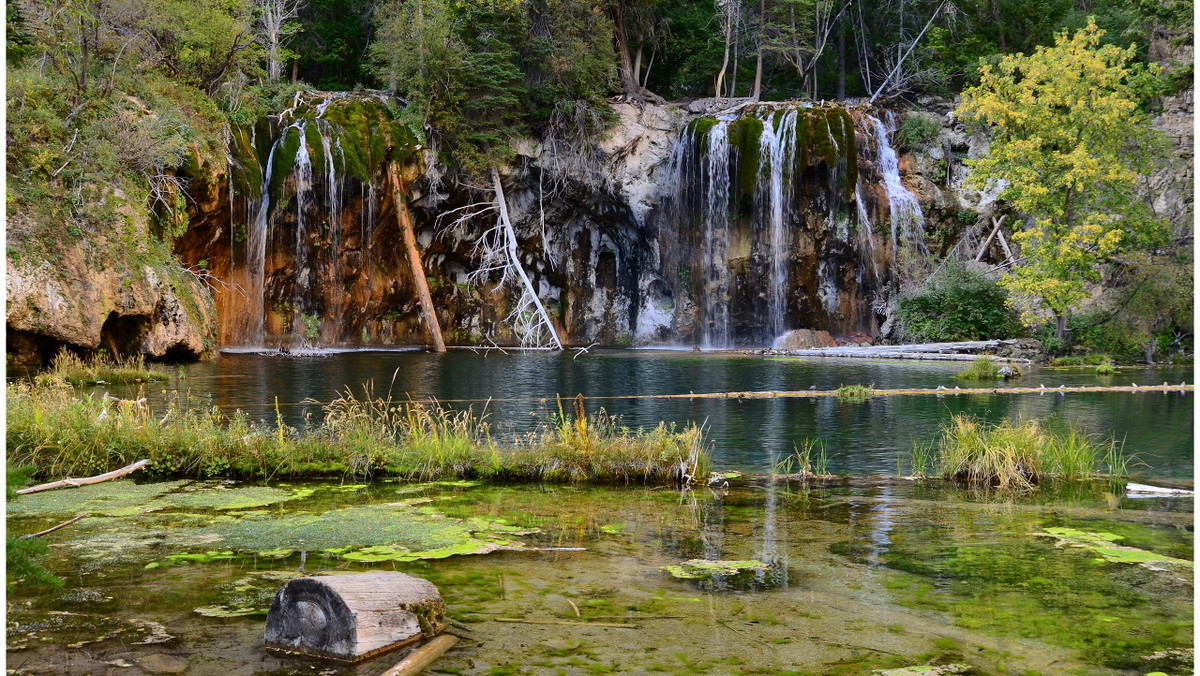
pixel 706 569
pixel 122 497
pixel 1105 545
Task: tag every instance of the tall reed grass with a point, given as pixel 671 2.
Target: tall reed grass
pixel 74 370
pixel 63 433
pixel 1015 455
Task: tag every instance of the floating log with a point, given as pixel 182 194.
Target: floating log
pixel 422 657
pixel 351 618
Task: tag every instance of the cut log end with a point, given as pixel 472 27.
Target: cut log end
pixel 351 618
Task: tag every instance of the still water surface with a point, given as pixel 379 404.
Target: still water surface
pixel 518 392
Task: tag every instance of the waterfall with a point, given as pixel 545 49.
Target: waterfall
pixel 765 224
pixel 302 290
pixel 257 228
pixel 716 234
pixel 907 220
pixel 776 151
pixel 333 196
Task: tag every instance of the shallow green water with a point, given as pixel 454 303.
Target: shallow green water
pixel 860 575
pixel 517 391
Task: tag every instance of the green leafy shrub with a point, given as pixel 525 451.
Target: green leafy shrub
pixel 917 130
pixel 986 368
pixel 958 304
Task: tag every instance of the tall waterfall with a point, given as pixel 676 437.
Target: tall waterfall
pixel 716 235
pixel 766 223
pixel 290 247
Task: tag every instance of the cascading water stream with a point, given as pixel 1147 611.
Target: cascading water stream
pixel 776 149
pixel 258 228
pixel 302 291
pixel 907 220
pixel 716 232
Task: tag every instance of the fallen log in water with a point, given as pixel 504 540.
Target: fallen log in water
pixel 921 351
pixel 422 657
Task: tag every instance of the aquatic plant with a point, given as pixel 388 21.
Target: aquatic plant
pixel 808 461
pixel 19 553
pixel 854 393
pixel 64 434
pixel 986 368
pixel 75 370
pixel 1018 455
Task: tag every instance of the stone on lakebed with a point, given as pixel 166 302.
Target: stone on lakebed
pixel 350 618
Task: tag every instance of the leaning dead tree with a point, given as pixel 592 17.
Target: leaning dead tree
pixel 497 253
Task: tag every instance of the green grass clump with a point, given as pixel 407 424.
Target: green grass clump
pixel 63 434
pixel 854 393
pixel 1017 455
pixel 808 461
pixel 1067 361
pixel 986 368
pixel 75 370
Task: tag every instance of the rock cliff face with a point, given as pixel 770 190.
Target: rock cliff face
pixel 720 224
pixel 86 300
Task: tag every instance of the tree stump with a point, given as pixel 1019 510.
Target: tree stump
pixel 351 618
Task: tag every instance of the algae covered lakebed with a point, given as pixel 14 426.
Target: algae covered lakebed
pixel 850 577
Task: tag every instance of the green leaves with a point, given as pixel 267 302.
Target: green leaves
pixel 1069 141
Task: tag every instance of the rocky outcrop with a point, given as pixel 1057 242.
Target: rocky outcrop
pixel 87 301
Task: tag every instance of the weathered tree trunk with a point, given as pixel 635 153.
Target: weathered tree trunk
pixel 1060 325
pixel 725 59
pixel 841 58
pixel 414 259
pixel 758 61
pixel 515 260
pixel 629 83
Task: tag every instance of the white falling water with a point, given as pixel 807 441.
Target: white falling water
pixel 908 222
pixel 333 193
pixel 257 229
pixel 716 234
pixel 303 176
pixel 776 150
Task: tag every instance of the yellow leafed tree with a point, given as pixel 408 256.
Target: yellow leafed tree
pixel 1070 141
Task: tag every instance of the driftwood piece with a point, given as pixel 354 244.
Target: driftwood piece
pixel 422 657
pixel 351 618
pixel 62 483
pixel 996 223
pixel 566 623
pixel 64 524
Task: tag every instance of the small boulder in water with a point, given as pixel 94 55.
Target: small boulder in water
pixel 1009 371
pixel 804 339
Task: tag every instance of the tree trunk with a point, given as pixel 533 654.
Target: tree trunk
pixel 841 58
pixel 414 259
pixel 758 60
pixel 515 260
pixel 295 69
pixel 629 83
pixel 1060 325
pixel 724 62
